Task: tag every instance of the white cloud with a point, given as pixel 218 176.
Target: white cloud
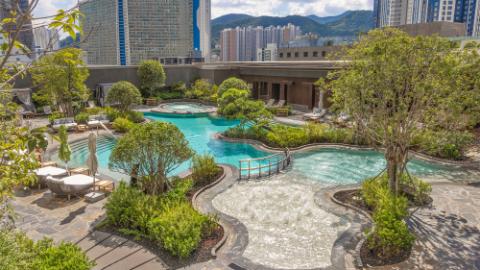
pixel 252 7
pixel 287 7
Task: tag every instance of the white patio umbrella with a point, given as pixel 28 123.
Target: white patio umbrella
pixel 92 161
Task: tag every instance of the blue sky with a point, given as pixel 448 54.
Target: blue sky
pixel 252 7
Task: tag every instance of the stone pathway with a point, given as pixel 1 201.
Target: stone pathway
pixel 41 215
pixel 448 233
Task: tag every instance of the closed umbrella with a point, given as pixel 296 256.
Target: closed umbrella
pixel 92 161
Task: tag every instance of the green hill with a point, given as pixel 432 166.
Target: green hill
pixel 348 23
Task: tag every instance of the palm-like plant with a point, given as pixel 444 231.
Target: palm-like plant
pixel 64 151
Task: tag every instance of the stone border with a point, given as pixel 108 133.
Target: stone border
pixel 194 203
pixel 473 165
pixel 358 247
pixel 206 112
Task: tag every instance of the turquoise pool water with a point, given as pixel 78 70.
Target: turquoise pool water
pixel 184 107
pixel 329 166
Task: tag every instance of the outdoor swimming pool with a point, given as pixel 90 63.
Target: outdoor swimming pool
pixel 330 166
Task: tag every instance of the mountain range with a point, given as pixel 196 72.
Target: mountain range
pixel 349 23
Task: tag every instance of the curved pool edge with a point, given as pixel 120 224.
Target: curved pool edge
pixel 472 165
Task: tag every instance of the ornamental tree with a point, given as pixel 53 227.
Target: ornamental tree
pixel 61 80
pixel 124 95
pixel 395 83
pixel 152 151
pixel 235 104
pixel 152 76
pixel 230 83
pixel 16 163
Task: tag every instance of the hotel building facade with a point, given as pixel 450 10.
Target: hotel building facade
pixel 125 32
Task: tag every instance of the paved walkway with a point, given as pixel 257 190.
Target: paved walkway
pixel 41 215
pixel 448 233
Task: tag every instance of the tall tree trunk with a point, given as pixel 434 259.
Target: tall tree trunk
pixel 391 155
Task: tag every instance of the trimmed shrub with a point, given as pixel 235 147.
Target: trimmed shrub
pixel 63 256
pixel 204 169
pixel 179 229
pixel 230 83
pixel 124 95
pixel 134 116
pixel 54 116
pixel 122 125
pixel 444 144
pixel 82 118
pixel 285 136
pixel 323 133
pixel 111 113
pixel 17 251
pixel 171 95
pixel 391 236
pixel 129 208
pixel 412 187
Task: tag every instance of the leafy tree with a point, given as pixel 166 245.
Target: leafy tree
pixel 61 80
pixel 124 95
pixel 396 83
pixel 64 150
pixel 201 89
pixel 16 163
pixel 153 150
pixel 232 82
pixel 235 104
pixel 152 76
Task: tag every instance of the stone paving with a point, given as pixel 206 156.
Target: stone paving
pixel 448 233
pixel 40 215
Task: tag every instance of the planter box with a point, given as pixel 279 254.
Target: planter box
pixel 151 101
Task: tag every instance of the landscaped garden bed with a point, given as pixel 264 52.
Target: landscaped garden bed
pixel 389 240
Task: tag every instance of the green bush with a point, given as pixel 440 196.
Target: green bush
pixel 391 236
pixel 111 113
pixel 230 83
pixel 54 116
pixel 171 95
pixel 204 169
pixel 285 136
pixel 63 256
pixel 444 144
pixel 122 125
pixel 323 133
pixel 82 118
pixel 135 117
pixel 413 187
pixel 179 229
pixel 94 110
pixel 129 208
pixel 18 252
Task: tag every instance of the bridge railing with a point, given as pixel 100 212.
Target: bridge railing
pixel 264 166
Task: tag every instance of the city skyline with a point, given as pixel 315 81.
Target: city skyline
pixel 250 7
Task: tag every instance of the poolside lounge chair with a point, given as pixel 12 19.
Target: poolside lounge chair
pixel 72 185
pixel 280 103
pixel 97 120
pixel 270 102
pixel 316 114
pixel 69 123
pixel 45 171
pixel 47 110
pixel 91 104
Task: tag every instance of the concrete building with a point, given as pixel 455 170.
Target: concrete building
pixel 26 34
pixel 243 43
pixel 308 53
pixel 45 40
pixel 124 32
pixel 401 12
pixel 269 53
